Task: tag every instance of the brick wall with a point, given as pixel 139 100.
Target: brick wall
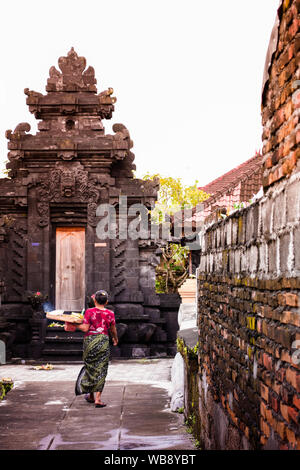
pixel 249 285
pixel 249 320
pixel 281 100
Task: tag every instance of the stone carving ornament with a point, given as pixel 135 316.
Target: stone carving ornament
pixel 63 183
pixel 73 76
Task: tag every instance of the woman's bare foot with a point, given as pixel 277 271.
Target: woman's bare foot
pixel 98 402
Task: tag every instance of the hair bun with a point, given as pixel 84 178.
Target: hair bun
pixel 101 296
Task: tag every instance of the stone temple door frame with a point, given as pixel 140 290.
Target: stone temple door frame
pixel 66 197
pixel 70 268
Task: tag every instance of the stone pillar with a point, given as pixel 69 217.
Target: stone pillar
pixel 187 314
pixel 38 329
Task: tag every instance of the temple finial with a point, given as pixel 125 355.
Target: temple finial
pixel 73 76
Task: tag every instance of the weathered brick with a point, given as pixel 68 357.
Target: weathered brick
pixel 291 437
pixel 269 417
pixel 274 402
pixel 264 391
pixel 265 428
pixel 296 401
pixel 280 374
pixel 293 29
pixel 284 409
pixel 297 243
pixel 281 429
pixel 293 203
pixel 289 299
pixel 284 335
pixel 266 217
pixel 263 410
pixel 268 361
pixel 279 217
pixel 293 377
pixel 287 395
pixel 272 257
pixel 292 318
pixel 294 414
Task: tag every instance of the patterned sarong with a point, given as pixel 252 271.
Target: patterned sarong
pixel 95 356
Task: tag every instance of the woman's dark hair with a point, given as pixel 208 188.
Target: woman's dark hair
pixel 101 297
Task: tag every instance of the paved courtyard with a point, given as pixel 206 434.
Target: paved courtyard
pixel 43 413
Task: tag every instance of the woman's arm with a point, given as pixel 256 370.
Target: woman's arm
pixel 73 327
pixel 84 327
pixel 114 334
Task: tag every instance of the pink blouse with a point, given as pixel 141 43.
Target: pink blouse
pixel 99 321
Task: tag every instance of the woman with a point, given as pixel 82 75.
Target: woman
pixel 97 324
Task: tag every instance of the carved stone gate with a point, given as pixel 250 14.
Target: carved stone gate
pixel 57 179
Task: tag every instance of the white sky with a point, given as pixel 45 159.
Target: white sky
pixel 187 74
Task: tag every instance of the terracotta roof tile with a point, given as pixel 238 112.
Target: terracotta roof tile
pixel 237 185
pixel 229 180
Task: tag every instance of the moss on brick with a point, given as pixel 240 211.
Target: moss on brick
pixel 191 413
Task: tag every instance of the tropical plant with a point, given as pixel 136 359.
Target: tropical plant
pixel 172 197
pixel 173 268
pixel 36 299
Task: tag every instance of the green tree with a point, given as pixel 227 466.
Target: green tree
pixel 173 268
pixel 172 197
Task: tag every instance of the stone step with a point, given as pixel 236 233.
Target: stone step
pixel 58 358
pixel 59 329
pixel 61 352
pixel 61 345
pixel 67 336
pixel 60 339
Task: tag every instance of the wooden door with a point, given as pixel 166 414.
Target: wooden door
pixel 70 268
